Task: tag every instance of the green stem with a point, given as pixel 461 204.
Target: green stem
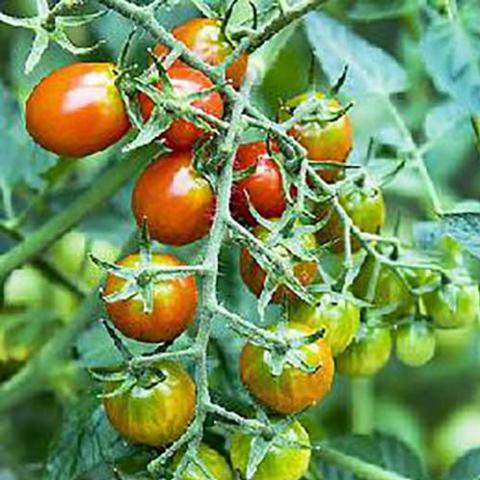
pixel 101 190
pixel 362 405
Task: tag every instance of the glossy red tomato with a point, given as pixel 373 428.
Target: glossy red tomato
pixel 182 134
pixel 263 188
pixel 254 276
pixel 178 203
pixel 205 38
pixel 157 409
pixel 293 390
pixel 323 141
pixel 175 304
pixel 77 110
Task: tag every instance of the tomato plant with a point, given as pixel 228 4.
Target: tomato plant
pixel 261 189
pixel 294 389
pixel 185 81
pixel 175 199
pixel 205 37
pixel 156 409
pixel 77 110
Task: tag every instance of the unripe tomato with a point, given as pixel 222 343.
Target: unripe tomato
pixel 175 303
pixel 157 410
pixel 293 390
pixel 263 188
pixel 216 465
pixel 282 462
pixel 364 204
pixel 415 343
pixel 367 354
pixel 77 110
pixel 453 305
pixel 205 38
pixel 340 319
pixel 254 276
pixel 182 134
pixel 178 203
pixel 323 141
pixel 390 293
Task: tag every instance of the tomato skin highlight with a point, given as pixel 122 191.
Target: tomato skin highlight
pixel 340 319
pixel 294 390
pixel 182 134
pixel 367 354
pixel 281 462
pixel 204 37
pixel 77 110
pixel 211 459
pixel 178 203
pixel 263 187
pixel 175 304
pixel 254 276
pixel 331 142
pixel 154 415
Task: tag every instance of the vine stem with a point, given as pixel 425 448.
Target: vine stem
pixel 362 405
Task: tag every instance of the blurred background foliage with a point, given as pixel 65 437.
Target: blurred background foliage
pixel 398 47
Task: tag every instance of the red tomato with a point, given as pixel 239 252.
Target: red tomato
pixel 175 304
pixel 182 134
pixel 178 203
pixel 77 110
pixel 205 38
pixel 263 187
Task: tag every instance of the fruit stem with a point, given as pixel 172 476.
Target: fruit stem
pixel 362 405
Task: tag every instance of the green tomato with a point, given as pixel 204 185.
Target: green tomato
pixel 282 462
pixel 415 343
pixel 339 317
pixel 453 305
pixel 390 292
pixel 367 354
pixel 211 460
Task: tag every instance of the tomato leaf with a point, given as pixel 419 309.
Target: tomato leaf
pixel 466 468
pixel 465 228
pixel 371 70
pixel 374 10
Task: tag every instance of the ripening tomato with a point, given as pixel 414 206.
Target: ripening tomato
pixel 415 343
pixel 390 294
pixel 216 465
pixel 178 202
pixel 205 38
pixel 293 390
pixel 77 110
pixel 453 305
pixel 367 354
pixel 254 276
pixel 157 409
pixel 282 462
pixel 364 204
pixel 339 317
pixel 323 141
pixel 175 303
pixel 182 134
pixel 262 188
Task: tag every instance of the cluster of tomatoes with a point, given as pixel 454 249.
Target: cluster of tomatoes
pixel 78 110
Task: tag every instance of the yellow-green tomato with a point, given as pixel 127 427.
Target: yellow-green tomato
pixel 415 343
pixel 282 462
pixel 339 317
pixel 216 465
pixel 390 293
pixel 367 354
pixel 156 410
pixel 453 305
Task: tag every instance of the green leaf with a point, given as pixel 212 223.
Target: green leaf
pixel 444 118
pixel 381 450
pixel 466 468
pixel 371 70
pixel 374 10
pixel 86 441
pixel 465 228
pixel 451 50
